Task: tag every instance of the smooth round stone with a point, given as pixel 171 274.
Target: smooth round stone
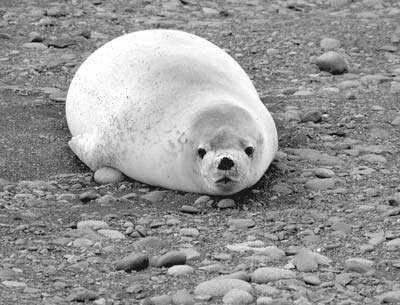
pixel 190 209
pixel 171 258
pixel 396 122
pixel 237 297
pixel 218 287
pixel 311 116
pixel 312 280
pixel 149 243
pixel 320 184
pixel 164 299
pixel 226 203
pixel 341 227
pixel 269 274
pixel 193 232
pixel 111 234
pixel 358 265
pixel 390 297
pixel 305 261
pixel 92 224
pixel 82 243
pixel 106 175
pixel 131 262
pixel 329 43
pixel 332 62
pixel 239 275
pixel 182 297
pixel 241 223
pixel 323 173
pixel 265 301
pixel 180 270
pixel 154 196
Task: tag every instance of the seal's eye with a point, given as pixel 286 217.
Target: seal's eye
pixel 249 150
pixel 201 152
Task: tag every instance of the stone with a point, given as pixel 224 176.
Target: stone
pixel 265 301
pixel 239 275
pixel 171 258
pixel 182 297
pixel 329 43
pixel 149 243
pixel 389 297
pixel 92 224
pixel 154 196
pixel 311 116
pixel 164 299
pixel 270 274
pixel 241 223
pixel 179 270
pixel 312 280
pixel 323 173
pixel 358 265
pixel 82 295
pixel 226 203
pixel 133 261
pixel 14 284
pixel 218 287
pixel 193 232
pixel 320 184
pixel 108 175
pixel 332 62
pixel 237 297
pixel 305 261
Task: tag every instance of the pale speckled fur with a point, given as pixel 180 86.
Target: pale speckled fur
pixel 133 102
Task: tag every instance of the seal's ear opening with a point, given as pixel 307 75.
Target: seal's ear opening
pixel 201 152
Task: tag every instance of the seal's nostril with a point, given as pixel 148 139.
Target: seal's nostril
pixel 225 164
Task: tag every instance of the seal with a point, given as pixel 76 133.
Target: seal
pixel 170 109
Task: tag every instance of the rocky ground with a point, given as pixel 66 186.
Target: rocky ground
pixel 321 227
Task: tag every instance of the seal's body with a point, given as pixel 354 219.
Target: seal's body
pixel 171 109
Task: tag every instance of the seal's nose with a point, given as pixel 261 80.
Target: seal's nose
pixel 225 164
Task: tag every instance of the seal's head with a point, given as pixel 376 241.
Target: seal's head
pixel 227 149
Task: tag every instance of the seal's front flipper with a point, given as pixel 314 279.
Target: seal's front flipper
pixel 85 147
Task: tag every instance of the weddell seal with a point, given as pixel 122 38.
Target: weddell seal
pixel 171 109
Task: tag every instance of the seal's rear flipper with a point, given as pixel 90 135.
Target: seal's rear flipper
pixel 84 146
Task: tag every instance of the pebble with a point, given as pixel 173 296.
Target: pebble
pixel 341 227
pixel 241 223
pixel 82 243
pixel 265 301
pixel 372 158
pixel 154 196
pixel 164 299
pixel 390 297
pixel 193 232
pixel 311 116
pixel 358 265
pixel 270 274
pixel 312 280
pixel 131 262
pixel 305 261
pixel 320 184
pixel 393 245
pixel 329 43
pixel 396 122
pixel 92 224
pixel 190 209
pixel 226 203
pixel 107 175
pixel 237 297
pixel 239 275
pixel 13 284
pixel 179 270
pixel 149 243
pixel 218 287
pixel 323 173
pixel 182 297
pixel 82 295
pixel 171 258
pixel 332 62
pixel 111 234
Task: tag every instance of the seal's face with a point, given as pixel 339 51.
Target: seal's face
pixel 226 161
pixel 227 151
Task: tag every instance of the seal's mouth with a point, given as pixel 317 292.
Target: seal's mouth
pixel 225 181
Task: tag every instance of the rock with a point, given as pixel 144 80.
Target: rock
pixel 14 284
pixel 164 299
pixel 82 295
pixel 265 301
pixel 154 196
pixel 82 243
pixel 92 224
pixel 106 200
pixel 316 156
pixel 37 185
pixel 226 203
pixel 62 42
pixel 190 209
pixel 35 46
pixel 111 234
pixel 35 37
pixel 311 116
pixel 56 11
pixel 133 261
pixel 312 280
pixel 393 245
pixel 193 232
pixel 343 279
pixel 390 297
pixel 270 274
pixel 149 243
pixel 372 158
pixel 329 43
pixel 320 184
pixel 305 261
pixel 171 258
pixel 179 270
pixel 182 297
pixel 239 275
pixel 341 227
pixel 333 62
pixel 8 274
pixel 237 297
pixel 396 122
pixel 358 265
pixel 88 196
pixel 241 223
pixel 323 173
pixel 107 175
pixel 218 287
